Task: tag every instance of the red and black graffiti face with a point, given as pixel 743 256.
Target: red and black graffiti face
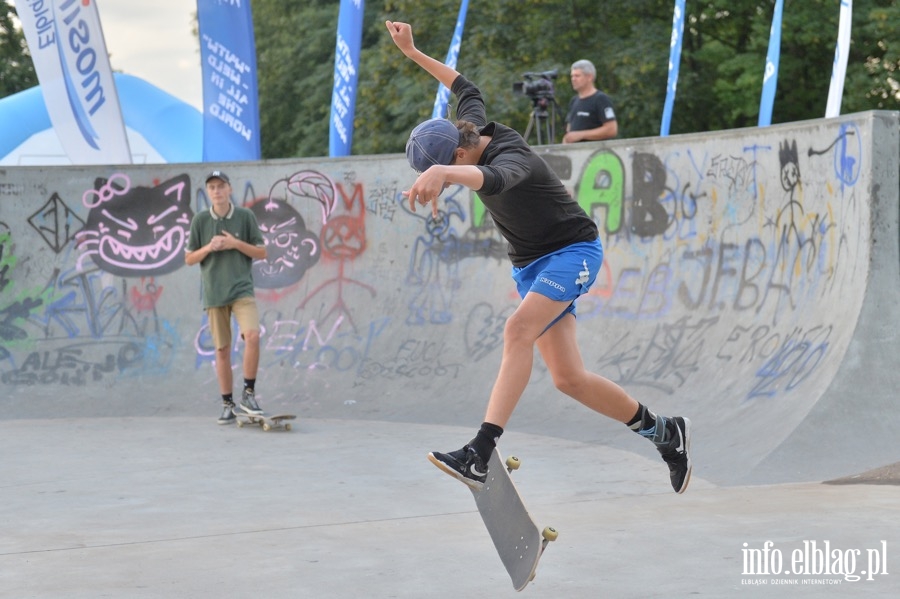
pixel 291 249
pixel 137 231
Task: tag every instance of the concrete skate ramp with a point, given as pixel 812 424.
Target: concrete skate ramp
pixel 750 282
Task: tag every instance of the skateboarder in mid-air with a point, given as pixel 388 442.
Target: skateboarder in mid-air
pixel 555 250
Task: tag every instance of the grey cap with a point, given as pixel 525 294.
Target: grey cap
pixel 217 175
pixel 432 142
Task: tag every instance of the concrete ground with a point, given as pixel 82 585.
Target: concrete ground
pixel 182 507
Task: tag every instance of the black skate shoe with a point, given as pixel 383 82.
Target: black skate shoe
pixel 248 403
pixel 227 416
pixel 462 464
pixel 676 453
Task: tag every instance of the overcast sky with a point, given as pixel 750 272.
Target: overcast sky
pixel 153 41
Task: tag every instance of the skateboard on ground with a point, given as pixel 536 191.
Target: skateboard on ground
pixel 517 538
pixel 264 420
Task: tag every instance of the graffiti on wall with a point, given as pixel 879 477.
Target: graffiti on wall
pixel 136 230
pixel 291 247
pixel 713 254
pixel 95 318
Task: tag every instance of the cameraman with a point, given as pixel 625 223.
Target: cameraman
pixel 591 116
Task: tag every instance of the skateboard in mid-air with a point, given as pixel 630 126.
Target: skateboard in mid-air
pixel 517 538
pixel 264 420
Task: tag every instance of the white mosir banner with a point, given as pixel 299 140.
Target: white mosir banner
pixel 69 53
pixel 841 54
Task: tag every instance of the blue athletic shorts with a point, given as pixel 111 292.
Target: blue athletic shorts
pixel 563 275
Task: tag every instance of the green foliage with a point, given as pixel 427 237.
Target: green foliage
pixel 501 42
pixel 295 57
pixel 719 87
pixel 16 70
pixel 873 71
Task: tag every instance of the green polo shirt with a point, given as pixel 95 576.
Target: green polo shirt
pixel 226 275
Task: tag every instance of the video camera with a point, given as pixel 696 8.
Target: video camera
pixel 536 85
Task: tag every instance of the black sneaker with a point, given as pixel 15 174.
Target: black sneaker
pixel 677 453
pixel 462 464
pixel 248 403
pixel 227 416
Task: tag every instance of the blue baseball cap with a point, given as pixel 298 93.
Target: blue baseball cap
pixel 432 142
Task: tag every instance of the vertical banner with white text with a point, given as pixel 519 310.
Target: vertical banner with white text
pixel 69 53
pixel 770 76
pixel 839 70
pixel 674 61
pixel 346 71
pixel 228 66
pixel 443 94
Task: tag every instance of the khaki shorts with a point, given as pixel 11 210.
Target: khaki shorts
pixel 244 311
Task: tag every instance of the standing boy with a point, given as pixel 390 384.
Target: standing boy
pixel 225 240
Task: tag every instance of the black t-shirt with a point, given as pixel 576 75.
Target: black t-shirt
pixel 590 113
pixel 529 204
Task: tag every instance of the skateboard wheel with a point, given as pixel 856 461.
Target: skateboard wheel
pixel 266 427
pixel 240 423
pixel 550 533
pixel 287 426
pixel 513 463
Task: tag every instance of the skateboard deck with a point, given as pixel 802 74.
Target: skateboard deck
pixel 517 538
pixel 264 420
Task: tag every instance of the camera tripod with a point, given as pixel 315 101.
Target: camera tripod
pixel 543 117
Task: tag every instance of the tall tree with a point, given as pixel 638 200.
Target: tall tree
pixel 294 75
pixel 295 44
pixel 873 70
pixel 503 40
pixel 719 86
pixel 16 69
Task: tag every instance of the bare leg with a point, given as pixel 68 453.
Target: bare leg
pixel 251 354
pixel 522 329
pixel 559 348
pixel 223 369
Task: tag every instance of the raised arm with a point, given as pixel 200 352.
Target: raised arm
pixel 429 184
pixel 402 35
